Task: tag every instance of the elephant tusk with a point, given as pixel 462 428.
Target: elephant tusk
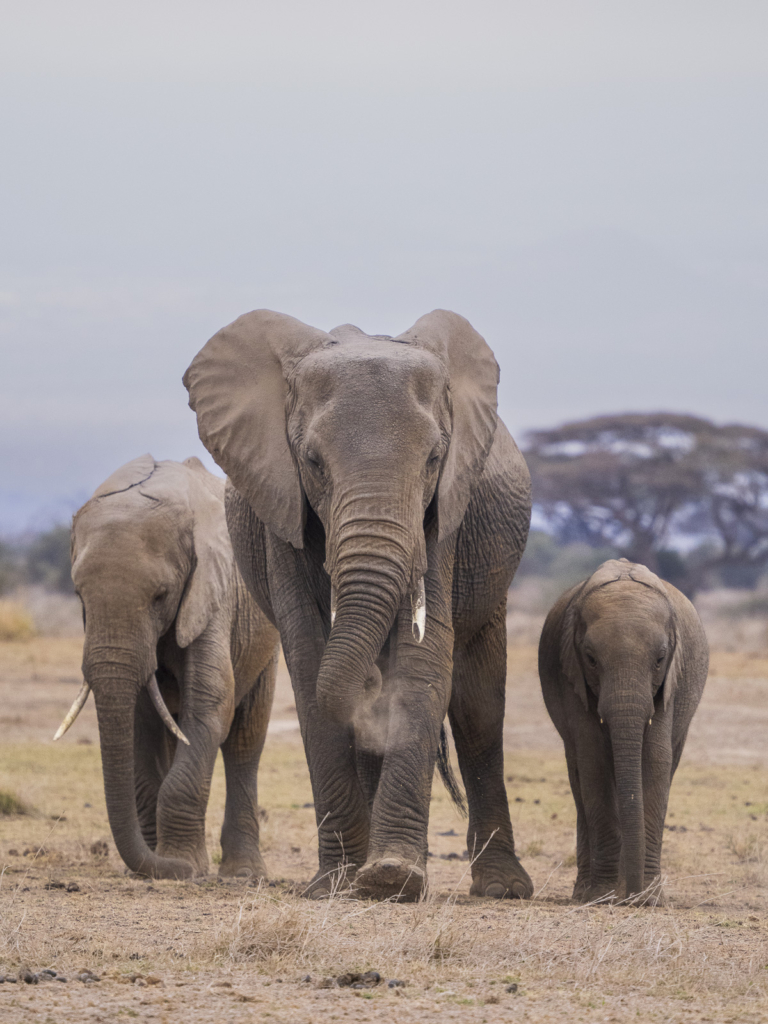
pixel 74 711
pixel 333 604
pixel 419 611
pixel 162 710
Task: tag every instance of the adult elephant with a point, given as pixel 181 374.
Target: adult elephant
pixel 170 630
pixel 623 659
pixel 378 514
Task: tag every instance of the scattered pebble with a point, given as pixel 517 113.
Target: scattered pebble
pixel 55 885
pixel 73 887
pixel 395 983
pixel 512 987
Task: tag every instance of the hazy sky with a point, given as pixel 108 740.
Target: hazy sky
pixel 585 181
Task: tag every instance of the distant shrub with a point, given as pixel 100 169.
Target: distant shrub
pixel 15 622
pixel 12 804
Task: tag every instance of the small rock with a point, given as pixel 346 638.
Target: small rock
pixel 73 887
pixel 326 983
pixel 50 973
pixel 84 741
pixel 307 978
pixel 55 885
pixel 395 983
pixel 28 977
pixel 295 849
pixel 13 853
pixel 60 977
pixel 512 987
pixel 307 806
pixel 358 985
pixel 450 832
pixel 99 849
pixel 371 978
pixel 2 979
pixel 86 805
pixel 152 979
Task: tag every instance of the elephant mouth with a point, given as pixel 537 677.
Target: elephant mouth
pixel 418 598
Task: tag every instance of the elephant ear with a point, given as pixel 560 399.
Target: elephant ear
pixel 208 585
pixel 238 386
pixel 569 656
pixel 675 670
pixel 473 376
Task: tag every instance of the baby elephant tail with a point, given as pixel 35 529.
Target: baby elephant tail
pixel 450 781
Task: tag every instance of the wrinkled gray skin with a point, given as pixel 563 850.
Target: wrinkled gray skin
pixel 623 660
pixel 354 465
pixel 153 566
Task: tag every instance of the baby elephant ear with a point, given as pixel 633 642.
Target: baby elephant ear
pixel 473 376
pixel 238 386
pixel 569 656
pixel 208 585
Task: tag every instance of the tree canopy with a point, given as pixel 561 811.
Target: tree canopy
pixel 652 485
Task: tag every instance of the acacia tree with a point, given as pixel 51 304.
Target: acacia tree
pixel 641 481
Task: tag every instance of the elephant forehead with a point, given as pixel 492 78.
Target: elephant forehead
pixel 373 367
pixel 626 603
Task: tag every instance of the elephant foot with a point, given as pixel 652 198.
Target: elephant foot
pixel 390 878
pixel 652 896
pixel 330 882
pixel 504 882
pixel 242 867
pixel 197 859
pixel 602 893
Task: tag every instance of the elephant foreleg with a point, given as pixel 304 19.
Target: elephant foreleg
pixel 241 752
pixel 476 714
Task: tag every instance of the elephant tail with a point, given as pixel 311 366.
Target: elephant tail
pixel 450 781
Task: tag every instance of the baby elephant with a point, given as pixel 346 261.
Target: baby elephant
pixel 170 630
pixel 623 660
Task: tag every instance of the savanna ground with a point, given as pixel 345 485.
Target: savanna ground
pixel 211 951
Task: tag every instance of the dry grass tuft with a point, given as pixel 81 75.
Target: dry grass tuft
pixel 10 803
pixel 15 622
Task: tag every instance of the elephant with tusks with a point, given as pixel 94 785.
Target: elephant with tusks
pixel 181 662
pixel 378 510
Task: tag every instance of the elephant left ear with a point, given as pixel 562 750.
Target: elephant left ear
pixel 473 375
pixel 675 671
pixel 208 585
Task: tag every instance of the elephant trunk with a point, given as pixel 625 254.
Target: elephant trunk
pixel 627 714
pixel 373 564
pixel 116 688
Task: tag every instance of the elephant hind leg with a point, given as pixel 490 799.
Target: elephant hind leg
pixel 476 713
pixel 240 854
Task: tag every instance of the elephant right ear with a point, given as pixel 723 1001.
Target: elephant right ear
pixel 473 378
pixel 238 386
pixel 569 656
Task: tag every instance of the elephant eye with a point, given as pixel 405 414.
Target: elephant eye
pixel 590 660
pixel 433 459
pixel 660 660
pixel 314 460
pixel 159 595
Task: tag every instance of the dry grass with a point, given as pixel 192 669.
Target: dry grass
pixel 16 623
pixel 221 948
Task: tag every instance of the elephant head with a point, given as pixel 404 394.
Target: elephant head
pixel 150 553
pixel 377 435
pixel 622 654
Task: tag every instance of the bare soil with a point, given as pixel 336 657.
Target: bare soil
pixel 227 951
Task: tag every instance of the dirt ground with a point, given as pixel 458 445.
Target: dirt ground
pixel 211 951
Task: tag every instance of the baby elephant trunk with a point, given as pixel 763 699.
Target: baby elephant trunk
pixel 627 718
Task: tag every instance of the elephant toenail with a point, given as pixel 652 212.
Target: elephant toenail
pixel 519 890
pixel 390 862
pixel 496 890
